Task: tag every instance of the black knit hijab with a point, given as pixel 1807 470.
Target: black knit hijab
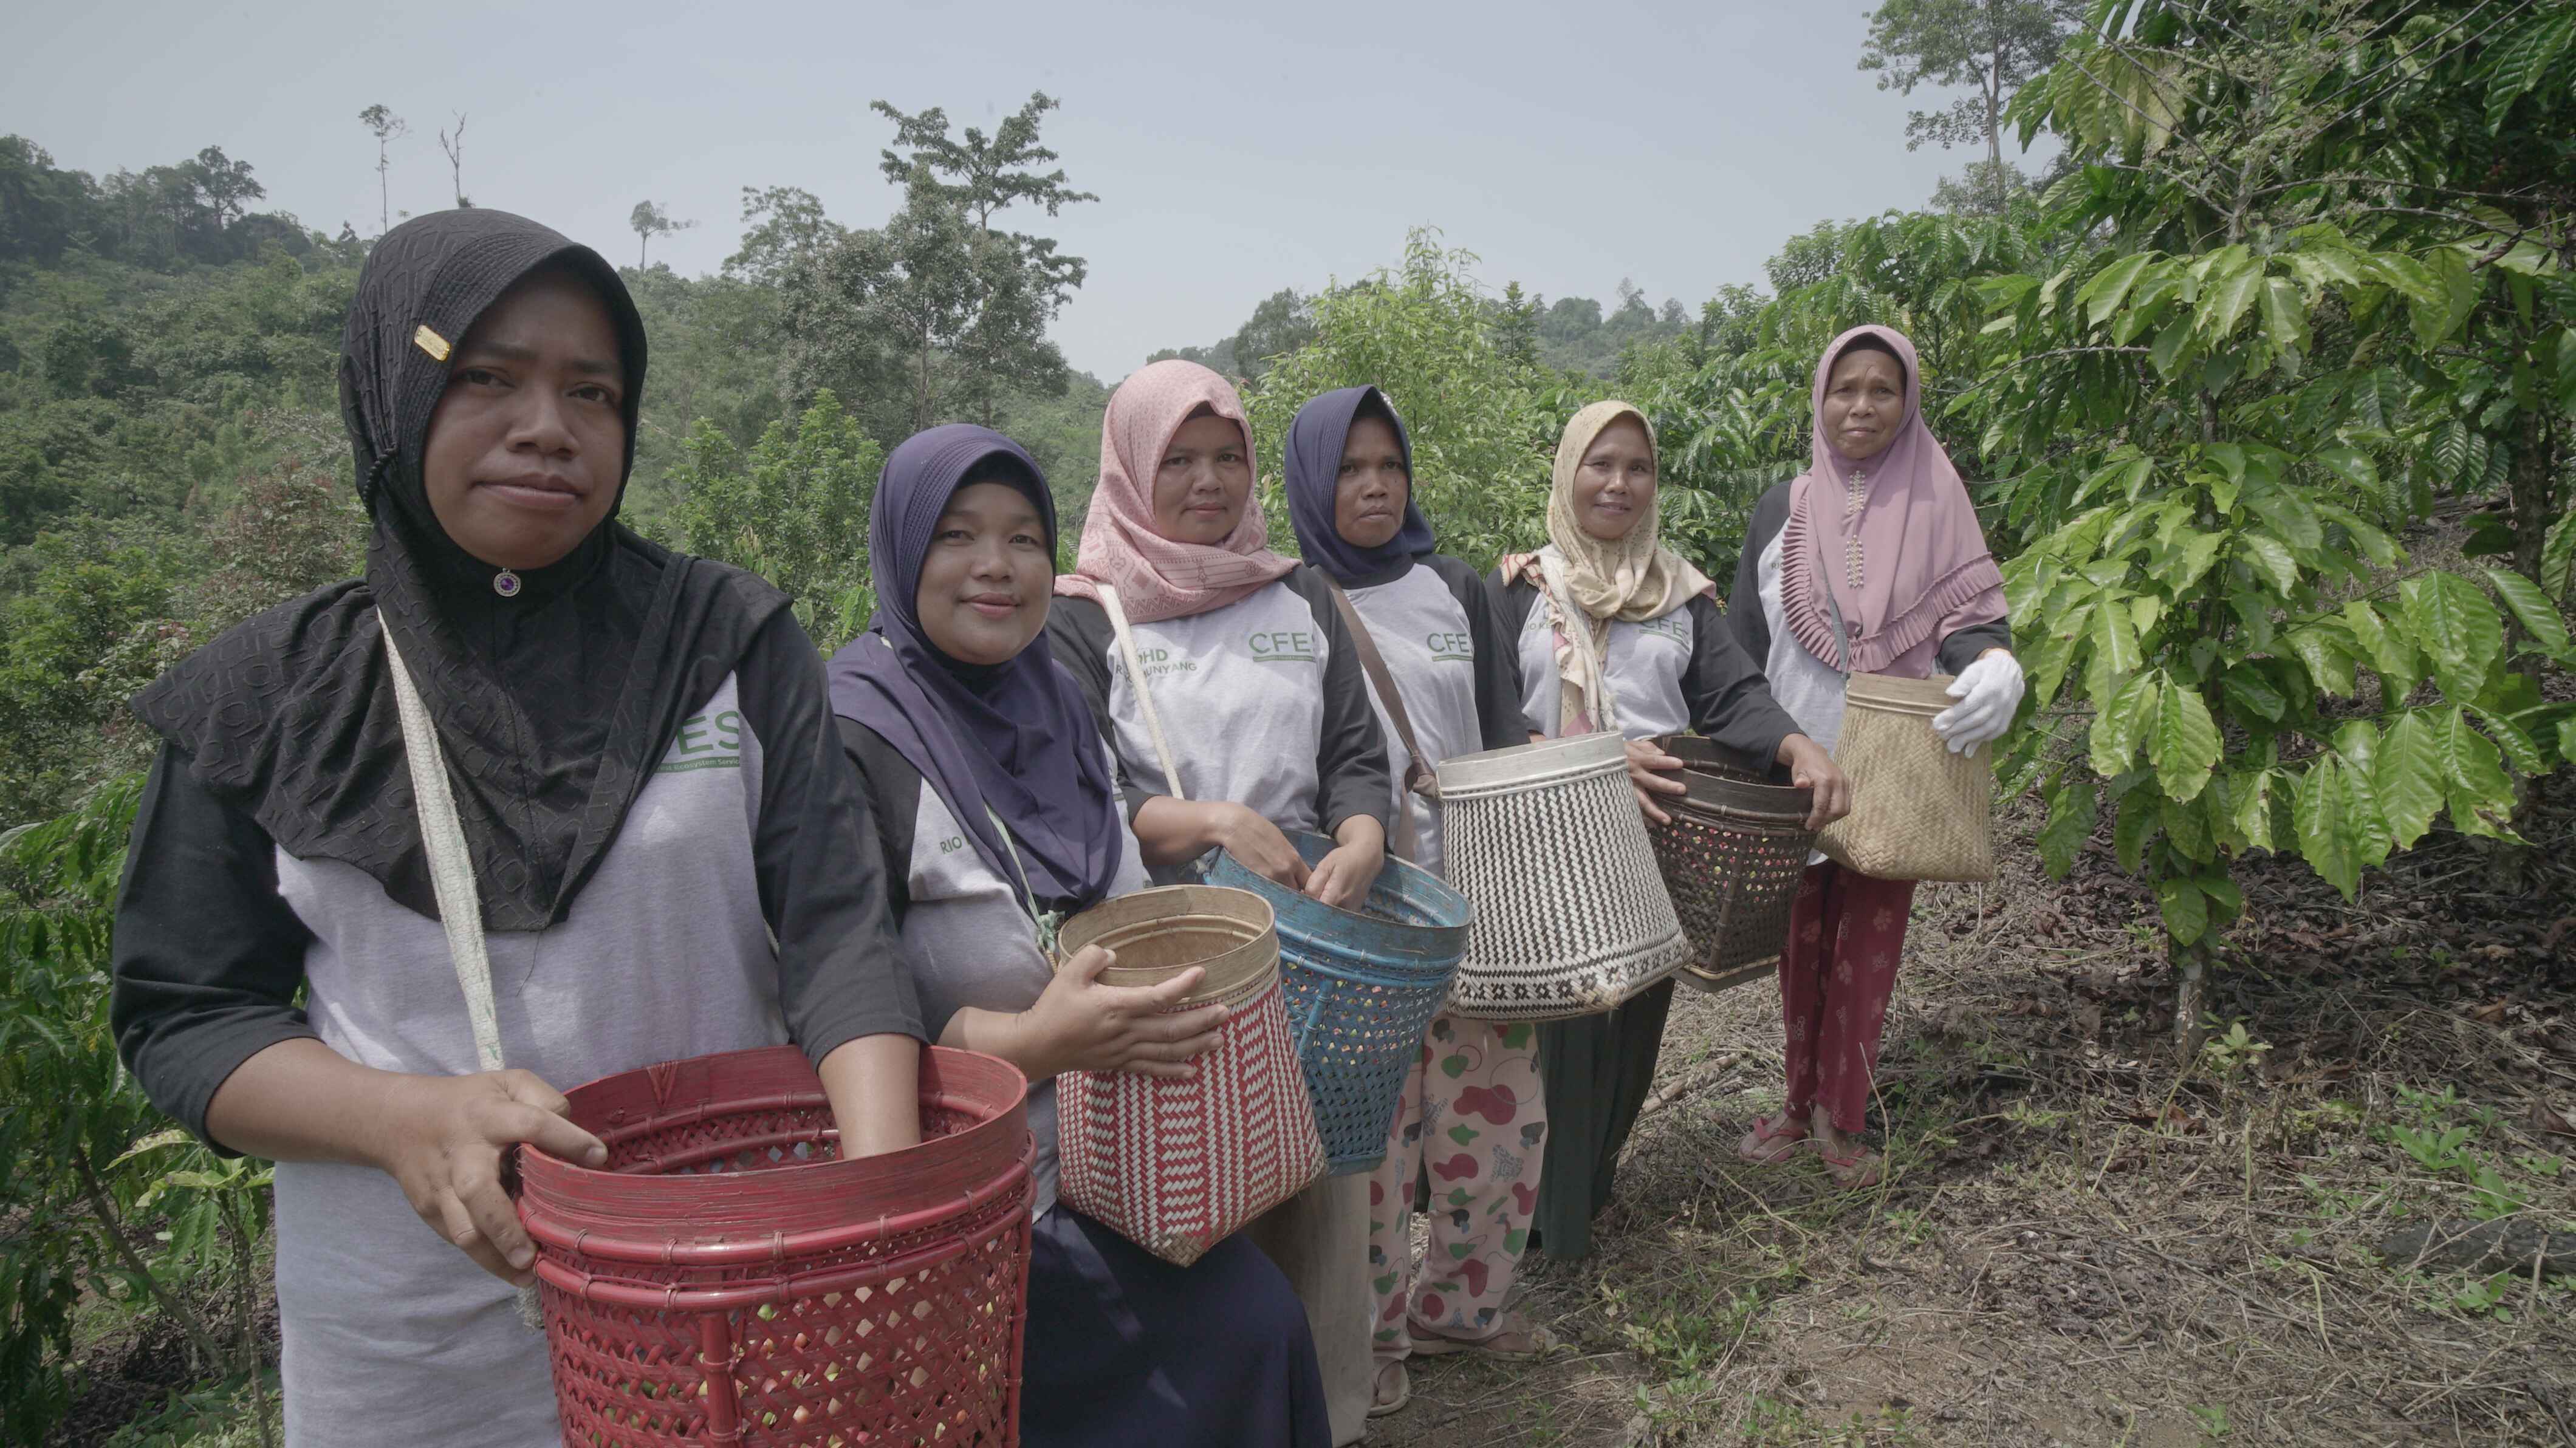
pixel 553 705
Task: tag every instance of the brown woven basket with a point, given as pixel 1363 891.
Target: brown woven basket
pixel 1731 857
pixel 1919 812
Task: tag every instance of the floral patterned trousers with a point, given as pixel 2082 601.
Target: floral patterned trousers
pixel 1846 934
pixel 1474 1121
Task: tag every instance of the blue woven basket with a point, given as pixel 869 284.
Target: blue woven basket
pixel 1361 990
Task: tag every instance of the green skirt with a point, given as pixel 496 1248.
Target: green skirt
pixel 1597 1070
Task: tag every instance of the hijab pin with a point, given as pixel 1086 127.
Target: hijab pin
pixel 506 583
pixel 429 342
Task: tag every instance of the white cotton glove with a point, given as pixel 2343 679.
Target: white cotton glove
pixel 1989 694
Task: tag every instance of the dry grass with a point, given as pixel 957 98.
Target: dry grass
pixel 2080 1243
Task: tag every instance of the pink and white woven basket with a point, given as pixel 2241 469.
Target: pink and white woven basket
pixel 1176 1166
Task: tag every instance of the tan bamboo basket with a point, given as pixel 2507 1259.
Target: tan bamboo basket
pixel 1919 812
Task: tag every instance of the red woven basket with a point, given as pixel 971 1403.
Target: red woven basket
pixel 726 1280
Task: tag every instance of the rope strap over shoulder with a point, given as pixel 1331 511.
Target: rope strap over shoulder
pixel 1419 777
pixel 1144 696
pixel 451 867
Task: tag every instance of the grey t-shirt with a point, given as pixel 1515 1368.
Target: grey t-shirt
pixel 665 956
pixel 1681 672
pixel 969 943
pixel 1459 676
pixel 1262 701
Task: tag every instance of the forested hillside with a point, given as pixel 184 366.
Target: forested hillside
pixel 2265 387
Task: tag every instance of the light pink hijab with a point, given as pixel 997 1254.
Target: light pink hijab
pixel 1909 567
pixel 1156 577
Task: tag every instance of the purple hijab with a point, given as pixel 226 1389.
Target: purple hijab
pixel 1314 471
pixel 1013 741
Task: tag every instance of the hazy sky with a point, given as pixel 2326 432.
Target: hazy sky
pixel 1235 149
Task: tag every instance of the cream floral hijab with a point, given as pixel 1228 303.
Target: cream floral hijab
pixel 1634 579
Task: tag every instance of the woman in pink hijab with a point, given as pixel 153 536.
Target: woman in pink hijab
pixel 1871 562
pixel 1258 701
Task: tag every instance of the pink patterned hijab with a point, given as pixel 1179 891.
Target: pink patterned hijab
pixel 1893 537
pixel 1157 577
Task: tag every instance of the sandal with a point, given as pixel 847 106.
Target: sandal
pixel 1380 1403
pixel 1537 1342
pixel 1773 1140
pixel 1855 1172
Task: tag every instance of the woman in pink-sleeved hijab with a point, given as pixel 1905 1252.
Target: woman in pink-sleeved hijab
pixel 1871 562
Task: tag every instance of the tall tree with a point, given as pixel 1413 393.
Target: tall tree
pixel 1019 281
pixel 1990 46
pixel 454 146
pixel 650 219
pixel 387 128
pixel 782 225
pixel 882 315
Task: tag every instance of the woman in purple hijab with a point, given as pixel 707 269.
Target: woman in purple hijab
pixel 999 815
pixel 1870 562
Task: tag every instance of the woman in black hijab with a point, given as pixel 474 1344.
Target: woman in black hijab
pixel 649 789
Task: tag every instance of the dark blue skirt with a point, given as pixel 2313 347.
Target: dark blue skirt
pixel 1126 1349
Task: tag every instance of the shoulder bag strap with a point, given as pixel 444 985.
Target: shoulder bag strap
pixel 451 880
pixel 451 867
pixel 1418 776
pixel 1144 696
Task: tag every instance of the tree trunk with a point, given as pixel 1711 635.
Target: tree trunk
pixel 2191 990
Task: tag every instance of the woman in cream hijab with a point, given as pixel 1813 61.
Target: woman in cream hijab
pixel 1617 631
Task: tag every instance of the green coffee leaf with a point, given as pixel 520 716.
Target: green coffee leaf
pixel 2120 724
pixel 2385 649
pixel 2247 689
pixel 2519 748
pixel 2115 654
pixel 2271 559
pixel 2182 743
pixel 2185 911
pixel 2475 785
pixel 2073 809
pixel 2539 616
pixel 2328 840
pixel 2227 300
pixel 2328 664
pixel 2406 776
pixel 2102 296
pixel 2459 628
pixel 2253 810
pixel 2285 316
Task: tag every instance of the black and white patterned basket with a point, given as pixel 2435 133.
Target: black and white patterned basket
pixel 1571 914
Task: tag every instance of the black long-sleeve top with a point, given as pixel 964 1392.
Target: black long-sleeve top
pixel 209 957
pixel 1722 687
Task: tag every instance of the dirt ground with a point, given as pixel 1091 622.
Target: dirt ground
pixel 2078 1243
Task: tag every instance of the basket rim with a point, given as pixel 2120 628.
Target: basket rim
pixel 1538 762
pixel 1308 921
pixel 1896 693
pixel 696 1201
pixel 1236 971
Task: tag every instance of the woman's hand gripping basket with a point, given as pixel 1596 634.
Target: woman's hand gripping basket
pixel 725 1279
pixel 1361 990
pixel 1732 855
pixel 1546 842
pixel 1176 1166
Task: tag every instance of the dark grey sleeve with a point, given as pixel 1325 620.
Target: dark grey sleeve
pixel 893 788
pixel 1729 699
pixel 207 955
pixel 1499 717
pixel 1350 758
pixel 1960 649
pixel 1744 606
pixel 816 855
pixel 1080 636
pixel 1513 601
